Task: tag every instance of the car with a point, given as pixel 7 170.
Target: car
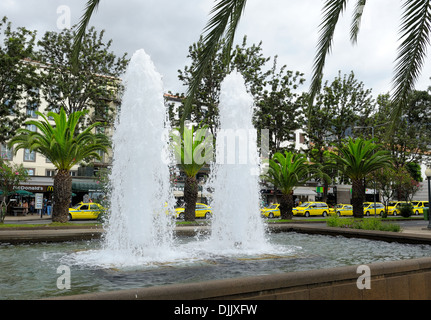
pixel 394 207
pixel 342 210
pixel 418 206
pixel 272 211
pixel 369 208
pixel 201 211
pixel 311 208
pixel 83 210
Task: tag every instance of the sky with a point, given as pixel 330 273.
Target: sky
pixel 289 29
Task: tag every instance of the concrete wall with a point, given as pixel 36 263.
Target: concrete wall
pixel 406 279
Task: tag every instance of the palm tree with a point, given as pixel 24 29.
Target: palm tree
pixel 65 147
pixel 356 159
pixel 192 149
pixel 288 171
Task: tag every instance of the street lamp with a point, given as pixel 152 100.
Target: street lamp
pixel 428 174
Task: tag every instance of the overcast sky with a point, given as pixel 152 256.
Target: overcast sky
pixel 166 28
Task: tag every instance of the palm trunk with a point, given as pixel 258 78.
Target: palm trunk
pixel 190 198
pixel 62 196
pixel 286 205
pixel 358 198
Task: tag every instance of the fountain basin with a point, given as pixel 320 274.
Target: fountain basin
pixel 310 263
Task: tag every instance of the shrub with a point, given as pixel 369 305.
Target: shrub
pixel 406 210
pixel 365 224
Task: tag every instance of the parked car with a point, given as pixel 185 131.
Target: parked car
pixel 394 207
pixel 418 207
pixel 272 211
pixel 369 208
pixel 342 210
pixel 311 209
pixel 201 211
pixel 83 210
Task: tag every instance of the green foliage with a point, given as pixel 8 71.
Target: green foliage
pixel 290 170
pixel 359 157
pixel 11 176
pixel 192 149
pixel 93 82
pixel 61 143
pixel 19 81
pixel 406 210
pixel 364 224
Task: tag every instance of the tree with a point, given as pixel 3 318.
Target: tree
pixel 278 107
pixel 11 177
pixel 19 81
pixel 94 84
pixel 65 147
pixel 248 60
pixel 226 14
pixel 356 159
pixel 192 150
pixel 287 172
pixel 410 140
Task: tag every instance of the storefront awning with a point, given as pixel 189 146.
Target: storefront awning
pixel 86 186
pixel 303 191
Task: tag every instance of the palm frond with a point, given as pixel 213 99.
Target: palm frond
pixel 415 30
pixel 225 19
pixel 356 21
pixel 90 8
pixel 332 11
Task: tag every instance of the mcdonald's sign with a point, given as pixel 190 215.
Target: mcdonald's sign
pixel 36 188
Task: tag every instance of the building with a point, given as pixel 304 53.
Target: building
pixel 41 171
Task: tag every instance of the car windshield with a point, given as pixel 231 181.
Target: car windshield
pixel 392 204
pixel 272 206
pixel 305 204
pixel 415 203
pixel 76 206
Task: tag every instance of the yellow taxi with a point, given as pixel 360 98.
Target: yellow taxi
pixel 394 207
pixel 201 211
pixel 342 210
pixel 271 212
pixel 311 208
pixel 83 210
pixel 418 206
pixel 369 208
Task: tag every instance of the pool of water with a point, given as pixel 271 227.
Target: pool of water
pixel 31 271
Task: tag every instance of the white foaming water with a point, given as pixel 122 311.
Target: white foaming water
pixel 139 231
pixel 237 224
pixel 138 223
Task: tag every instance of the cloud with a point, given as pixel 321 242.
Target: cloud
pixel 289 29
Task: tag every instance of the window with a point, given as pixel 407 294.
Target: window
pixel 31 127
pixel 29 156
pixel 31 112
pixel 30 171
pixel 5 152
pixel 50 173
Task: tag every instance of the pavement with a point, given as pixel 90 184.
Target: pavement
pixel 416 229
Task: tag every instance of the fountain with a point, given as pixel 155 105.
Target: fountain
pixel 138 226
pixel 234 175
pixel 139 230
pixel 140 247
